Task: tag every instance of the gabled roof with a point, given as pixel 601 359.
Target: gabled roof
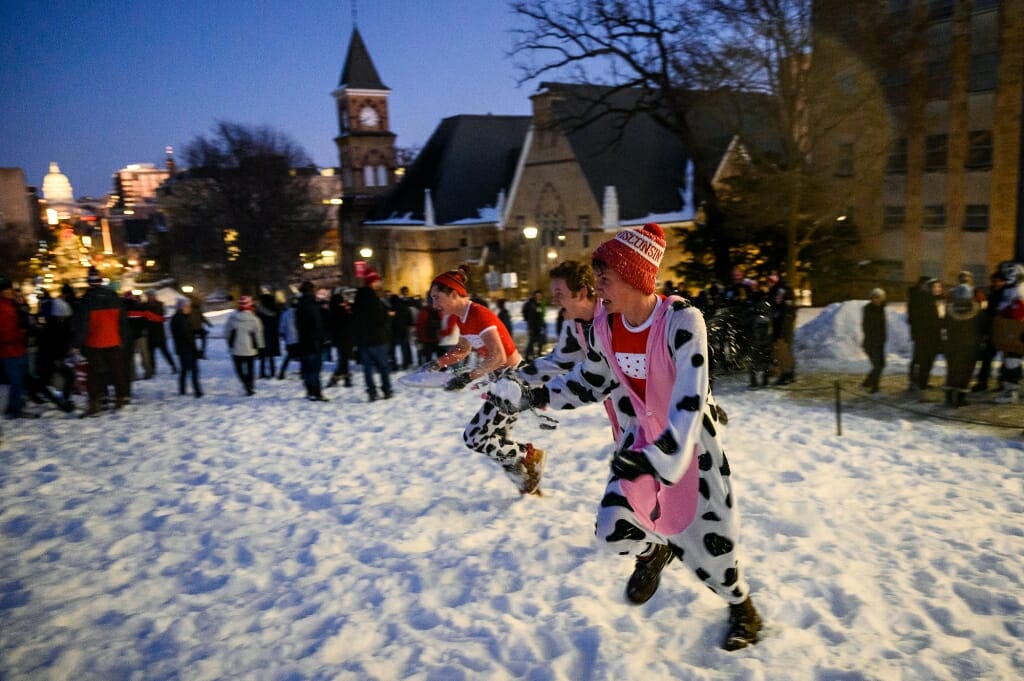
pixel 466 162
pixel 646 163
pixel 359 73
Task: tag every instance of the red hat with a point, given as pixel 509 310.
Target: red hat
pixel 635 255
pixel 453 279
pixel 370 277
pixel 245 303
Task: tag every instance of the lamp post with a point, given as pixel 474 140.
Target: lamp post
pixel 530 234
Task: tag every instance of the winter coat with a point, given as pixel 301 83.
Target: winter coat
pixel 309 325
pixel 13 338
pixel 155 326
pixel 371 323
pixel 182 335
pixel 100 319
pixel 533 313
pixel 961 324
pixel 873 326
pixel 244 333
pixel 286 327
pixel 271 334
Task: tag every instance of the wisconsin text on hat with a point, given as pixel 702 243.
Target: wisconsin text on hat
pixel 642 244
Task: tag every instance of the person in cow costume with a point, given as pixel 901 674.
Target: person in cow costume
pixel 669 496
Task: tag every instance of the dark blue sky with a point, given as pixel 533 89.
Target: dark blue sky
pixel 98 84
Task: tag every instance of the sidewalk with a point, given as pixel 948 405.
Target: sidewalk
pixel 893 401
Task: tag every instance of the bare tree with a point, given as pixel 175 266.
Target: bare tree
pixel 678 53
pixel 245 203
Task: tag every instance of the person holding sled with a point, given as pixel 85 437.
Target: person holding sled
pixel 482 332
pixel 669 496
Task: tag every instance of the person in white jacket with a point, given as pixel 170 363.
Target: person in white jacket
pixel 244 333
pixel 669 496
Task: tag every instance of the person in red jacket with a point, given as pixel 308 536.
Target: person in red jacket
pixel 13 350
pixel 100 326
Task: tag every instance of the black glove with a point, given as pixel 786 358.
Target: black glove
pixel 458 381
pixel 630 464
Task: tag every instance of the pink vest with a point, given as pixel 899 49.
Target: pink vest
pixel 673 507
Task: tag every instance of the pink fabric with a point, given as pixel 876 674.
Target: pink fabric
pixel 665 509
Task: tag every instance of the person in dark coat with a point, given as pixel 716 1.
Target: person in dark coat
pixel 401 324
pixel 269 312
pixel 101 327
pixel 962 343
pixel 533 313
pixel 13 349
pixel 54 336
pixel 155 330
pixel 873 326
pixel 925 310
pixel 371 324
pixel 996 291
pixel 184 338
pixel 138 337
pixel 309 324
pixel 506 318
pixel 341 335
pixel 917 296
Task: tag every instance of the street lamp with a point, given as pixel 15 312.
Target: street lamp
pixel 530 234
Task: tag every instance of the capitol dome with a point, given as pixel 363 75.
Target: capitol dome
pixel 56 187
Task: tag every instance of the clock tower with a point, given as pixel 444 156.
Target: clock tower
pixel 366 146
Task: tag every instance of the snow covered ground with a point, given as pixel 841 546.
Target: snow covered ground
pixel 272 538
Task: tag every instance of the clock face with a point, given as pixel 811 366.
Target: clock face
pixel 368 117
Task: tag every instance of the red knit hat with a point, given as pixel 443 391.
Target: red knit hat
pixel 453 279
pixel 245 303
pixel 635 255
pixel 370 277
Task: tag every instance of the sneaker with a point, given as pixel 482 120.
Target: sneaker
pixel 643 583
pixel 533 469
pixel 744 626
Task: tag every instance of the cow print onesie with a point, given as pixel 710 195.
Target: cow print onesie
pixel 707 544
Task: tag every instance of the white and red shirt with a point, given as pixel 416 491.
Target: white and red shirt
pixel 478 320
pixel 629 347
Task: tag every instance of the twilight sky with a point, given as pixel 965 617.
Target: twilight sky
pixel 98 85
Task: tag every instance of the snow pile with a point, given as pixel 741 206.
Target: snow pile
pixel 831 339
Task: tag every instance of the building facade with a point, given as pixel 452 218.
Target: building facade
pixel 932 171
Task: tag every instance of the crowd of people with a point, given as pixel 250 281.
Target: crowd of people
pixel 971 328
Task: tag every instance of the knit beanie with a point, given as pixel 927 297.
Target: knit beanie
pixel 245 303
pixel 880 292
pixel 453 279
pixel 635 255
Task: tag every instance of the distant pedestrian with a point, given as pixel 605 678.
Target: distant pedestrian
pixel 961 347
pixel 401 324
pixel 874 329
pixel 155 319
pixel 340 327
pixel 13 350
pixel 926 332
pixel 290 335
pixel 533 314
pixel 268 311
pixel 184 339
pixel 371 323
pixel 101 326
pixel 244 333
pixel 428 329
pixel 503 314
pixel 310 326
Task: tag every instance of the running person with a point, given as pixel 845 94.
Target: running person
pixel 669 495
pixel 481 331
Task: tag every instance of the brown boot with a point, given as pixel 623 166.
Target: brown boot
pixel 533 469
pixel 744 626
pixel 646 577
